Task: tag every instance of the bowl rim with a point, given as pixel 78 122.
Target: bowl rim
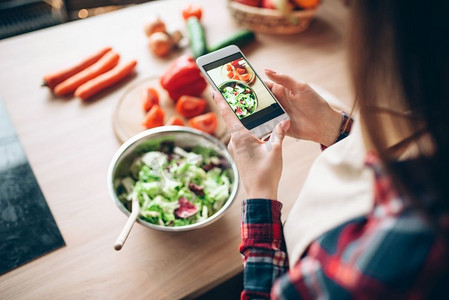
pixel 172 129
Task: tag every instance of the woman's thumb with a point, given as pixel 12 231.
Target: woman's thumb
pixel 279 132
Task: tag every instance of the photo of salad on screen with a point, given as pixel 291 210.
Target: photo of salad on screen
pixel 241 88
pixel 240 97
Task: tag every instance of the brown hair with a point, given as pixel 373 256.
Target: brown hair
pixel 399 59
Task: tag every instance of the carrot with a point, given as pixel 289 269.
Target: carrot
pixel 107 62
pixel 104 80
pixel 52 79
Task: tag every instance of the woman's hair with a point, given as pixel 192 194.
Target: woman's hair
pixel 399 59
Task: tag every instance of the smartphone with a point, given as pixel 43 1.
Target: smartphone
pixel 230 73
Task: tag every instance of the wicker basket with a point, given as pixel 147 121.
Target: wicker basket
pixel 270 20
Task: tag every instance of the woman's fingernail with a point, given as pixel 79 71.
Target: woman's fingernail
pixel 212 94
pixel 270 71
pixel 285 125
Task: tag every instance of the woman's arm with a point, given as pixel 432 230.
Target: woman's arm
pixel 345 129
pixel 263 247
pixel 260 168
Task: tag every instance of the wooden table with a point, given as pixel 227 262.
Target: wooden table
pixel 70 144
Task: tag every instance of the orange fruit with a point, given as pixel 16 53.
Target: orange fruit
pixel 307 3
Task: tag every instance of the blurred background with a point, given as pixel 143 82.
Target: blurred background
pixel 21 16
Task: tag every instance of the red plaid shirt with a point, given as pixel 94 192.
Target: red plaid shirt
pixel 390 253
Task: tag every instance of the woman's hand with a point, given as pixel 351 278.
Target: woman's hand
pixel 259 163
pixel 312 118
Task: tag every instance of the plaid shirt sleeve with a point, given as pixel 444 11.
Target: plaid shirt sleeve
pixel 390 253
pixel 262 247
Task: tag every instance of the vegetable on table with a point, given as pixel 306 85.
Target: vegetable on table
pixel 189 106
pixel 150 98
pixel 240 39
pixel 154 118
pixel 154 25
pixel 183 77
pixel 106 63
pixel 207 122
pixel 51 80
pixel 160 43
pixel 174 120
pixel 197 37
pixel 192 10
pixel 176 37
pixel 105 80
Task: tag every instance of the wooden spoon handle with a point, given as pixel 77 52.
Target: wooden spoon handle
pixel 129 224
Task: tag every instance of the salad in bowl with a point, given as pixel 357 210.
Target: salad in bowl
pixel 182 178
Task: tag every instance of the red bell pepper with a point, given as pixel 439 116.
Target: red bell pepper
pixel 183 78
pixel 195 89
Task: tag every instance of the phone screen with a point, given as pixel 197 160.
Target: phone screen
pixel 244 91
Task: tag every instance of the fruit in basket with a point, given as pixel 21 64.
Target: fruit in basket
pixel 284 6
pixel 268 4
pixel 307 4
pixel 255 3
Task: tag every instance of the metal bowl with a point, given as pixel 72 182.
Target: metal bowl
pixel 182 137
